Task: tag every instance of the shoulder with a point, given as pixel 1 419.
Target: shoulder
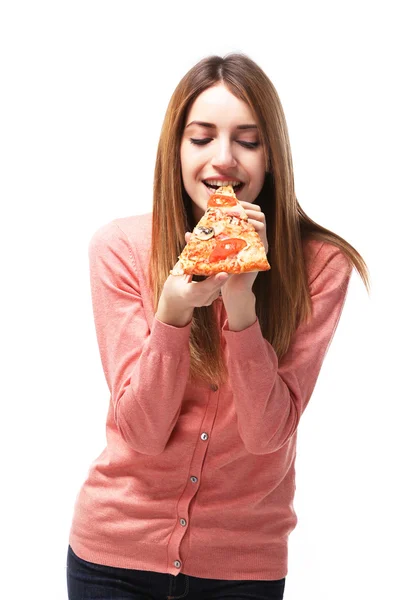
pixel 116 251
pixel 123 231
pixel 325 259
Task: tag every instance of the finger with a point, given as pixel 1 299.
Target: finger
pixel 212 298
pixel 229 275
pixel 221 279
pixel 215 296
pixel 187 237
pixel 208 290
pixel 177 269
pixel 255 215
pixel 215 282
pixel 258 225
pixel 250 206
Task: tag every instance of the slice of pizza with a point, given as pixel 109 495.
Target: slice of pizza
pixel 223 240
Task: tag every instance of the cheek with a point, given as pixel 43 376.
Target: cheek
pixel 188 162
pixel 183 160
pixel 186 171
pixel 258 169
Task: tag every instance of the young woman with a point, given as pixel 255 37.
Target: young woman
pixel 193 495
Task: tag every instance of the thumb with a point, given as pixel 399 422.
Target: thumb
pixel 187 236
pixel 221 279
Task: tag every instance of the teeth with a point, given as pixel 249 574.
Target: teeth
pixel 220 183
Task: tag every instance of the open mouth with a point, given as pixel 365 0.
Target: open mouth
pixel 237 186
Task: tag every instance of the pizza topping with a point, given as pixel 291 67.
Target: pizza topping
pixel 221 200
pixel 225 248
pixel 219 227
pixel 203 233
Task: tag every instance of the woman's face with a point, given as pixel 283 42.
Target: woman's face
pixel 221 144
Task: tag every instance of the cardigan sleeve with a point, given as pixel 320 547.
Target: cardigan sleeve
pixel 146 369
pixel 270 395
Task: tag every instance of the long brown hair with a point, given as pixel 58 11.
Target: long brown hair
pixel 282 294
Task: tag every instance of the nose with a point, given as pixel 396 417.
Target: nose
pixel 223 157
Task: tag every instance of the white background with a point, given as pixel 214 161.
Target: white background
pixel 85 86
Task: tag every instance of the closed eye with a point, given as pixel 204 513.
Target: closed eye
pixel 204 141
pixel 249 144
pixel 200 142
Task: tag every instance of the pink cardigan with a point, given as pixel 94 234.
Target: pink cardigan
pixel 195 480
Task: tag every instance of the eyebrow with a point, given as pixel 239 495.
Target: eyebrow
pixel 212 126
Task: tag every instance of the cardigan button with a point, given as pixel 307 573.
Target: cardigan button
pixel 204 436
pixel 177 564
pixel 193 479
pixel 183 522
pixel 214 387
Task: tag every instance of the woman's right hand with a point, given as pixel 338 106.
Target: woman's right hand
pixel 181 295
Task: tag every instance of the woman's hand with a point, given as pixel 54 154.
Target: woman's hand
pixel 181 295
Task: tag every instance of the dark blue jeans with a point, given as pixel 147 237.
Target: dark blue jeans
pixel 89 581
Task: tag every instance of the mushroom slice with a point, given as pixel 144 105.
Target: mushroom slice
pixel 203 233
